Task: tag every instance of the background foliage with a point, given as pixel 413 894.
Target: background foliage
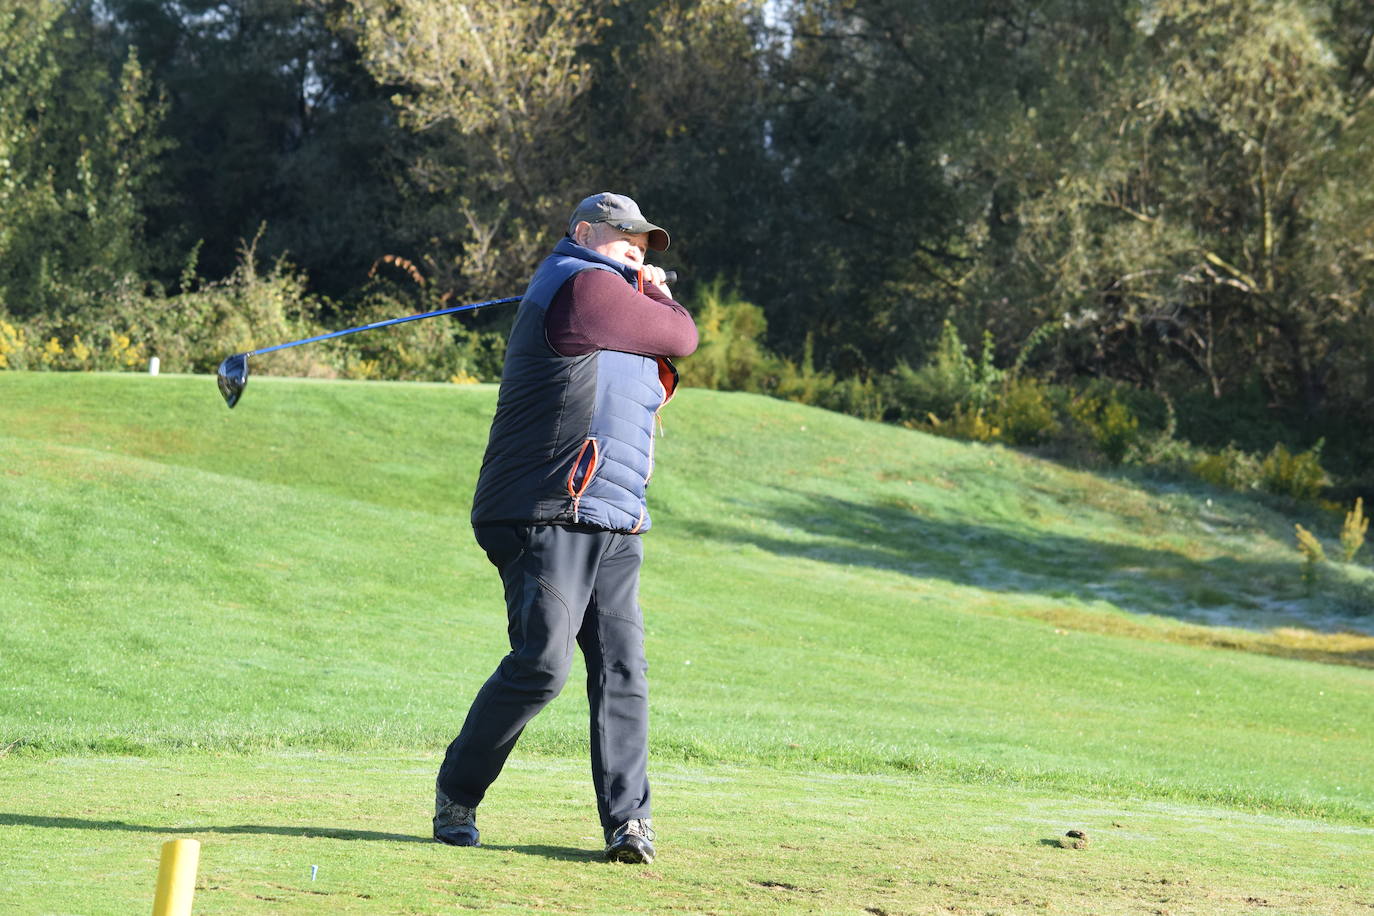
pixel 1134 229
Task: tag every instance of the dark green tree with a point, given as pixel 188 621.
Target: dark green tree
pixel 277 124
pixel 518 111
pixel 79 144
pixel 678 100
pixel 1201 215
pixel 865 256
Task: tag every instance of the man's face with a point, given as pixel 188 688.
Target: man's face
pixel 603 238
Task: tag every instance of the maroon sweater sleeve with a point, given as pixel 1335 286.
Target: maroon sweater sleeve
pixel 598 310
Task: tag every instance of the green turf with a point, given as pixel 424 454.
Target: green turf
pixel 826 599
pixel 735 840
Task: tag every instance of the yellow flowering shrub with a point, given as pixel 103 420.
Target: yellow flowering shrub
pixel 51 352
pixel 11 346
pixel 1353 530
pixel 80 352
pixel 123 353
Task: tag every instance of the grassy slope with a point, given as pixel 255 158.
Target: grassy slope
pixel 822 595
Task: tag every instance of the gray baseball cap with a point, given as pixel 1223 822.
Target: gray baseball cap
pixel 622 213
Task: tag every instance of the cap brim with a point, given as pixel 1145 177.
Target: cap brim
pixel 658 236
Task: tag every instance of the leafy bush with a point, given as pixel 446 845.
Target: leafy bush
pixel 1111 425
pixel 731 356
pixel 245 310
pixel 969 425
pixel 12 346
pixel 124 323
pixel 1353 531
pixel 730 353
pixel 44 343
pixel 803 383
pixel 432 350
pixel 952 381
pixel 1299 476
pixel 1229 468
pixel 1313 556
pixel 957 396
pixel 1025 413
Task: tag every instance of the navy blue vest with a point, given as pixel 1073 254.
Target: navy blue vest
pixel 572 441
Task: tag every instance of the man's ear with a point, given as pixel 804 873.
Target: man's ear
pixel 580 232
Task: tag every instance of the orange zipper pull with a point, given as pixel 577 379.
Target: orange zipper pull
pixel 639 287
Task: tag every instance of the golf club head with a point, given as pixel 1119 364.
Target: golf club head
pixel 233 375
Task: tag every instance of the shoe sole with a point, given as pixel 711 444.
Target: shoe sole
pixel 631 854
pixel 448 842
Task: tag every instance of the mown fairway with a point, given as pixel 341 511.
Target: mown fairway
pixel 889 670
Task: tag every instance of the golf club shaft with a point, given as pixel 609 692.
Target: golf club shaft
pixel 671 277
pixel 384 324
pixel 233 372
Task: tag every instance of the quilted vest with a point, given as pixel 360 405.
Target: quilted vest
pixel 572 441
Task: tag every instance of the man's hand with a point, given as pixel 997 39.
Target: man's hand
pixel 657 276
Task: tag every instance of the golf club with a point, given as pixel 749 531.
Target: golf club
pixel 233 372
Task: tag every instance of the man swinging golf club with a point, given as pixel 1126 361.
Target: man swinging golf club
pixel 560 505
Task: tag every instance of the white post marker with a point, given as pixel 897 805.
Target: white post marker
pixel 176 878
pixel 153 365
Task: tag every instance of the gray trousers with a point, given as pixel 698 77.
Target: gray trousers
pixel 564 586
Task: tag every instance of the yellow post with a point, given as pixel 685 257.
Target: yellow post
pixel 176 878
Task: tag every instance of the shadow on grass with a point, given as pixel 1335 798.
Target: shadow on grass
pixel 329 833
pixel 561 853
pixel 1165 581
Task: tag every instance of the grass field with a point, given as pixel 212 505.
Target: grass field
pixel 889 670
